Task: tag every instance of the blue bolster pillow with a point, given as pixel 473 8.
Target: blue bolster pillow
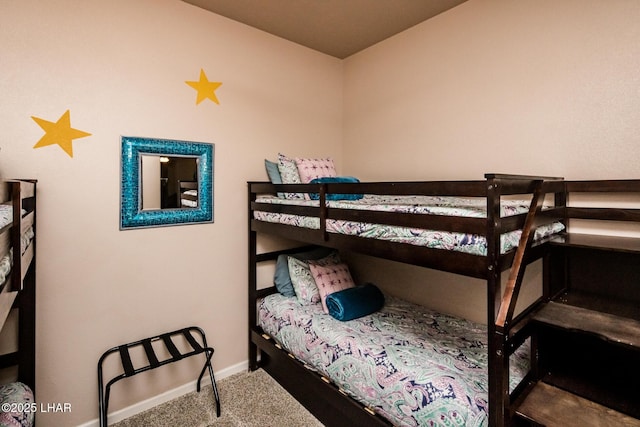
pixel 352 303
pixel 333 196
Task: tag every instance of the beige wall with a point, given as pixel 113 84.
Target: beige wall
pixel 534 87
pixel 120 67
pixel 541 87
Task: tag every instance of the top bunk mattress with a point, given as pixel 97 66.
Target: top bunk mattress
pixel 412 365
pixel 473 207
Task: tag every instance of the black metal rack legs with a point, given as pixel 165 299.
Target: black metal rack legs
pixel 127 365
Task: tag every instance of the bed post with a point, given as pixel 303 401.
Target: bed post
pixel 252 281
pixel 497 358
pixel 25 288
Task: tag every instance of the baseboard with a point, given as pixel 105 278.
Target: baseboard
pixel 136 408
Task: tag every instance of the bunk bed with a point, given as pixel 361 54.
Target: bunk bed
pixel 330 223
pixel 17 292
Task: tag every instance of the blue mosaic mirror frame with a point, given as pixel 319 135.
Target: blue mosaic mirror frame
pixel 131 213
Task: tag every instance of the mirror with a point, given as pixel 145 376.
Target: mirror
pixel 165 182
pixel 169 182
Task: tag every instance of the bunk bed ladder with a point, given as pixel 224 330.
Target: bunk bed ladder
pixel 500 322
pixel 516 274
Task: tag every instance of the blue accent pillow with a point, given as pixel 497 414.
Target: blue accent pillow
pixel 273 173
pixel 334 179
pixel 352 303
pixel 282 279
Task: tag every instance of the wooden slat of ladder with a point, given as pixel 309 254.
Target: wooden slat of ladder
pixel 553 407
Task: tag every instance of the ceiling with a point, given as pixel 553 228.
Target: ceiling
pixel 338 28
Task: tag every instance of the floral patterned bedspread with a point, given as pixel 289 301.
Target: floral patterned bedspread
pixel 16 396
pixel 412 365
pixel 429 205
pixel 6 215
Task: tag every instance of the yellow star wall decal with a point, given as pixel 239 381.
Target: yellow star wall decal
pixel 60 133
pixel 205 88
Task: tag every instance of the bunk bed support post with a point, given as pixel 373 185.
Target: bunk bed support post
pixel 27 316
pixel 253 294
pixel 496 340
pixel 16 200
pixel 500 321
pixel 324 211
pixel 510 297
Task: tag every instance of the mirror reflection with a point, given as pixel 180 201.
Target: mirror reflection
pixel 168 182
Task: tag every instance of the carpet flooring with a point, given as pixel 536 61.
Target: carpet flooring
pixel 251 399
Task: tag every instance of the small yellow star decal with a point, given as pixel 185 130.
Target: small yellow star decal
pixel 205 88
pixel 60 133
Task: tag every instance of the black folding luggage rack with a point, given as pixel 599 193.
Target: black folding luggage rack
pixel 127 365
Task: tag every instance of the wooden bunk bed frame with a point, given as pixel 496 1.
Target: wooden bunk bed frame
pixel 505 332
pixel 19 289
pixel 590 297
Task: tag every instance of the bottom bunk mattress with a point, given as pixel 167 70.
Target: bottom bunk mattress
pixel 411 365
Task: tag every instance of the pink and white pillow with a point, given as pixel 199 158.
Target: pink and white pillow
pixel 289 174
pixel 330 278
pixel 309 169
pixel 302 280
